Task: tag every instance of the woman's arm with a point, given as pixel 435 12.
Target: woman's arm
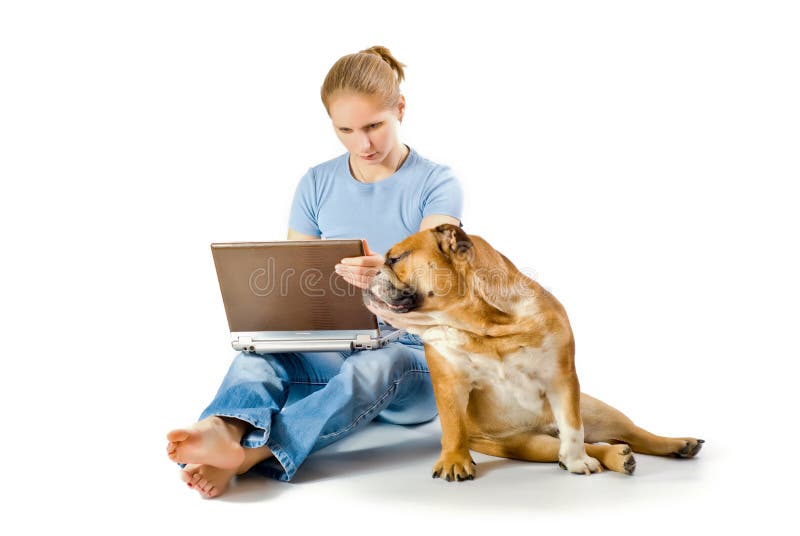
pixel 429 222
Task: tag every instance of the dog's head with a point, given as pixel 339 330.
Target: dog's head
pixel 442 276
pixel 422 272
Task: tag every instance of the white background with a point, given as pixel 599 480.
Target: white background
pixel 639 159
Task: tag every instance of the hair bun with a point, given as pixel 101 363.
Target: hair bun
pixel 384 53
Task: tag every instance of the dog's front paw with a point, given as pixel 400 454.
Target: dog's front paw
pixel 581 465
pixel 454 466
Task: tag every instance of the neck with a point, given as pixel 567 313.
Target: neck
pixel 379 172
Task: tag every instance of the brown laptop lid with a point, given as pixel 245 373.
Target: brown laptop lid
pixel 289 286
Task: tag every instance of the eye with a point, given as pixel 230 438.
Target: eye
pixel 375 125
pixel 391 261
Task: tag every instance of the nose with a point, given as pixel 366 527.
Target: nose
pixel 364 144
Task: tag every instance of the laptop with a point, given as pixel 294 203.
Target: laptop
pixel 286 297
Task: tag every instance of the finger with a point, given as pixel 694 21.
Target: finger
pixel 359 281
pixel 343 269
pixel 367 251
pixel 365 279
pixel 369 260
pixel 359 270
pixel 365 274
pixel 362 280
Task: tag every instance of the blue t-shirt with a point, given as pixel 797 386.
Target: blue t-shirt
pixel 331 204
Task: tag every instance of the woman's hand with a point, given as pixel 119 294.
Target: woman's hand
pixel 359 271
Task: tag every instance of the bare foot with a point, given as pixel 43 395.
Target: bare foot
pixel 211 441
pixel 208 480
pixel 212 481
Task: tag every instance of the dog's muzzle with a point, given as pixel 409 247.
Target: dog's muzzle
pixel 385 295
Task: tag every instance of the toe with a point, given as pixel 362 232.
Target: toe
pixel 179 434
pixel 188 473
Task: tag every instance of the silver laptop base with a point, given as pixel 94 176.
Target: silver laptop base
pixel 250 342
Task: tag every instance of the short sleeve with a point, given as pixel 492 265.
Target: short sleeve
pixel 303 215
pixel 442 194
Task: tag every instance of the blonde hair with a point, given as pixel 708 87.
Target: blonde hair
pixel 373 72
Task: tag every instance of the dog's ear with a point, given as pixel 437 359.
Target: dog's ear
pixel 454 242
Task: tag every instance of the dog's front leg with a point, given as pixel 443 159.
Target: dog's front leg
pixel 564 395
pixel 452 395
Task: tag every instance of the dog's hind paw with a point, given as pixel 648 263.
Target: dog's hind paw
pixel 630 465
pixel 690 449
pixel 619 458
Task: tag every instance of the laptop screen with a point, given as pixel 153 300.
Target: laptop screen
pixel 289 286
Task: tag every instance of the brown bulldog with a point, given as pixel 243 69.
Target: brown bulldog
pixel 502 361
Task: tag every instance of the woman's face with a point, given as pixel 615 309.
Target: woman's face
pixel 365 128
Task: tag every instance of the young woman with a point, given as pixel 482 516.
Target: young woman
pixel 273 410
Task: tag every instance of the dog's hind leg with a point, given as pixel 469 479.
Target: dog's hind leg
pixel 602 422
pixel 537 447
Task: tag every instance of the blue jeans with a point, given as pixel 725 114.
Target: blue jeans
pixel 298 403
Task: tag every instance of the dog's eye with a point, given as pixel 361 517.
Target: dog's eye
pixel 391 261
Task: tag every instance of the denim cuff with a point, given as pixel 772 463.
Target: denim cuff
pixel 279 466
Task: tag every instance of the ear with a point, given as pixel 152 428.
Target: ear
pixel 401 108
pixel 453 241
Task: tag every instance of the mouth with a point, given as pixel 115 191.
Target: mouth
pixel 370 156
pixel 406 303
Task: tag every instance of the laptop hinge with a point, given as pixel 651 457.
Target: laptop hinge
pixel 363 342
